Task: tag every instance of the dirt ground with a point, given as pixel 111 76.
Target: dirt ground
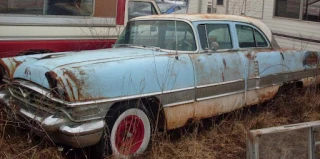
pixel 219 137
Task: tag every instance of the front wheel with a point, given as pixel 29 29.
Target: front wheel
pixel 127 133
pixel 130 134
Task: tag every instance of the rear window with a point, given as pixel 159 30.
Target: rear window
pixel 250 37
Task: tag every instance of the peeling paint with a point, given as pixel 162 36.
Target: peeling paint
pixel 260 95
pixel 10 65
pixel 310 81
pixel 311 59
pixel 177 116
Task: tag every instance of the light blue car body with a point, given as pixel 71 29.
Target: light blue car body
pixel 188 85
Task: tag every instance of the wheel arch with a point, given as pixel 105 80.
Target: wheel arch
pixel 152 106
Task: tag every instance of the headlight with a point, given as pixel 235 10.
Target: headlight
pixel 57 88
pixel 60 91
pixel 85 113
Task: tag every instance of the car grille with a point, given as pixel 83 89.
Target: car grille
pixel 32 99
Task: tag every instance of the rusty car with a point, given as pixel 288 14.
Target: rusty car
pixel 163 71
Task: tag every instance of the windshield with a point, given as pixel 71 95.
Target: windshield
pixel 160 33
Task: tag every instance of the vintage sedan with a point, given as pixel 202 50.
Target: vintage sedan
pixel 163 71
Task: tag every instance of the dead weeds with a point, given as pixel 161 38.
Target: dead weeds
pixel 219 137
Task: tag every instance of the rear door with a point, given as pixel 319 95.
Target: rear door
pixel 263 64
pixel 219 71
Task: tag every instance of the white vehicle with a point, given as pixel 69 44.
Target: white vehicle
pixel 38 26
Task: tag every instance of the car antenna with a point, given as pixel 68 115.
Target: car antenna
pixel 175 32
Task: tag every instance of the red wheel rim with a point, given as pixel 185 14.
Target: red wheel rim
pixel 129 135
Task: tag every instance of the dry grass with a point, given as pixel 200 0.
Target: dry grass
pixel 219 137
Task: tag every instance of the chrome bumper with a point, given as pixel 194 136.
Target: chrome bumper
pixel 59 128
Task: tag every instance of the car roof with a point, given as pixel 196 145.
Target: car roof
pixel 211 17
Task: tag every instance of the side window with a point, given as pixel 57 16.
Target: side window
pixel 261 42
pixel 245 36
pixel 212 34
pixel 181 38
pixel 165 34
pixel 249 37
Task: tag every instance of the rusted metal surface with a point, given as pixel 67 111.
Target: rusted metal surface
pixel 311 59
pixel 260 95
pixel 10 65
pixel 177 116
pixel 310 81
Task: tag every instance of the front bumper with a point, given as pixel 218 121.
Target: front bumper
pixel 57 127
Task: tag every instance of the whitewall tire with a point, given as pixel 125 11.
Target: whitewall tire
pixel 130 133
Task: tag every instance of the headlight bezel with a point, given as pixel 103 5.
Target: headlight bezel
pixel 57 88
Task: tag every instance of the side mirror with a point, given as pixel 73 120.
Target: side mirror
pixel 214 46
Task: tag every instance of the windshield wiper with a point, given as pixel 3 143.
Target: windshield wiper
pixel 151 47
pixel 141 46
pixel 122 45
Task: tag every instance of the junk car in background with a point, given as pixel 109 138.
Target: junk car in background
pixel 43 26
pixel 163 71
pixel 168 8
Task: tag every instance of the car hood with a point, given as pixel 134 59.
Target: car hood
pixel 73 59
pixel 34 67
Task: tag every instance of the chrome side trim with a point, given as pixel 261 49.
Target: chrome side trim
pixel 221 83
pixel 179 103
pixel 179 90
pixel 217 96
pixel 186 95
pixel 46 93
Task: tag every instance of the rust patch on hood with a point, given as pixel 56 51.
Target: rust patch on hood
pixel 10 65
pixel 76 84
pixel 51 75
